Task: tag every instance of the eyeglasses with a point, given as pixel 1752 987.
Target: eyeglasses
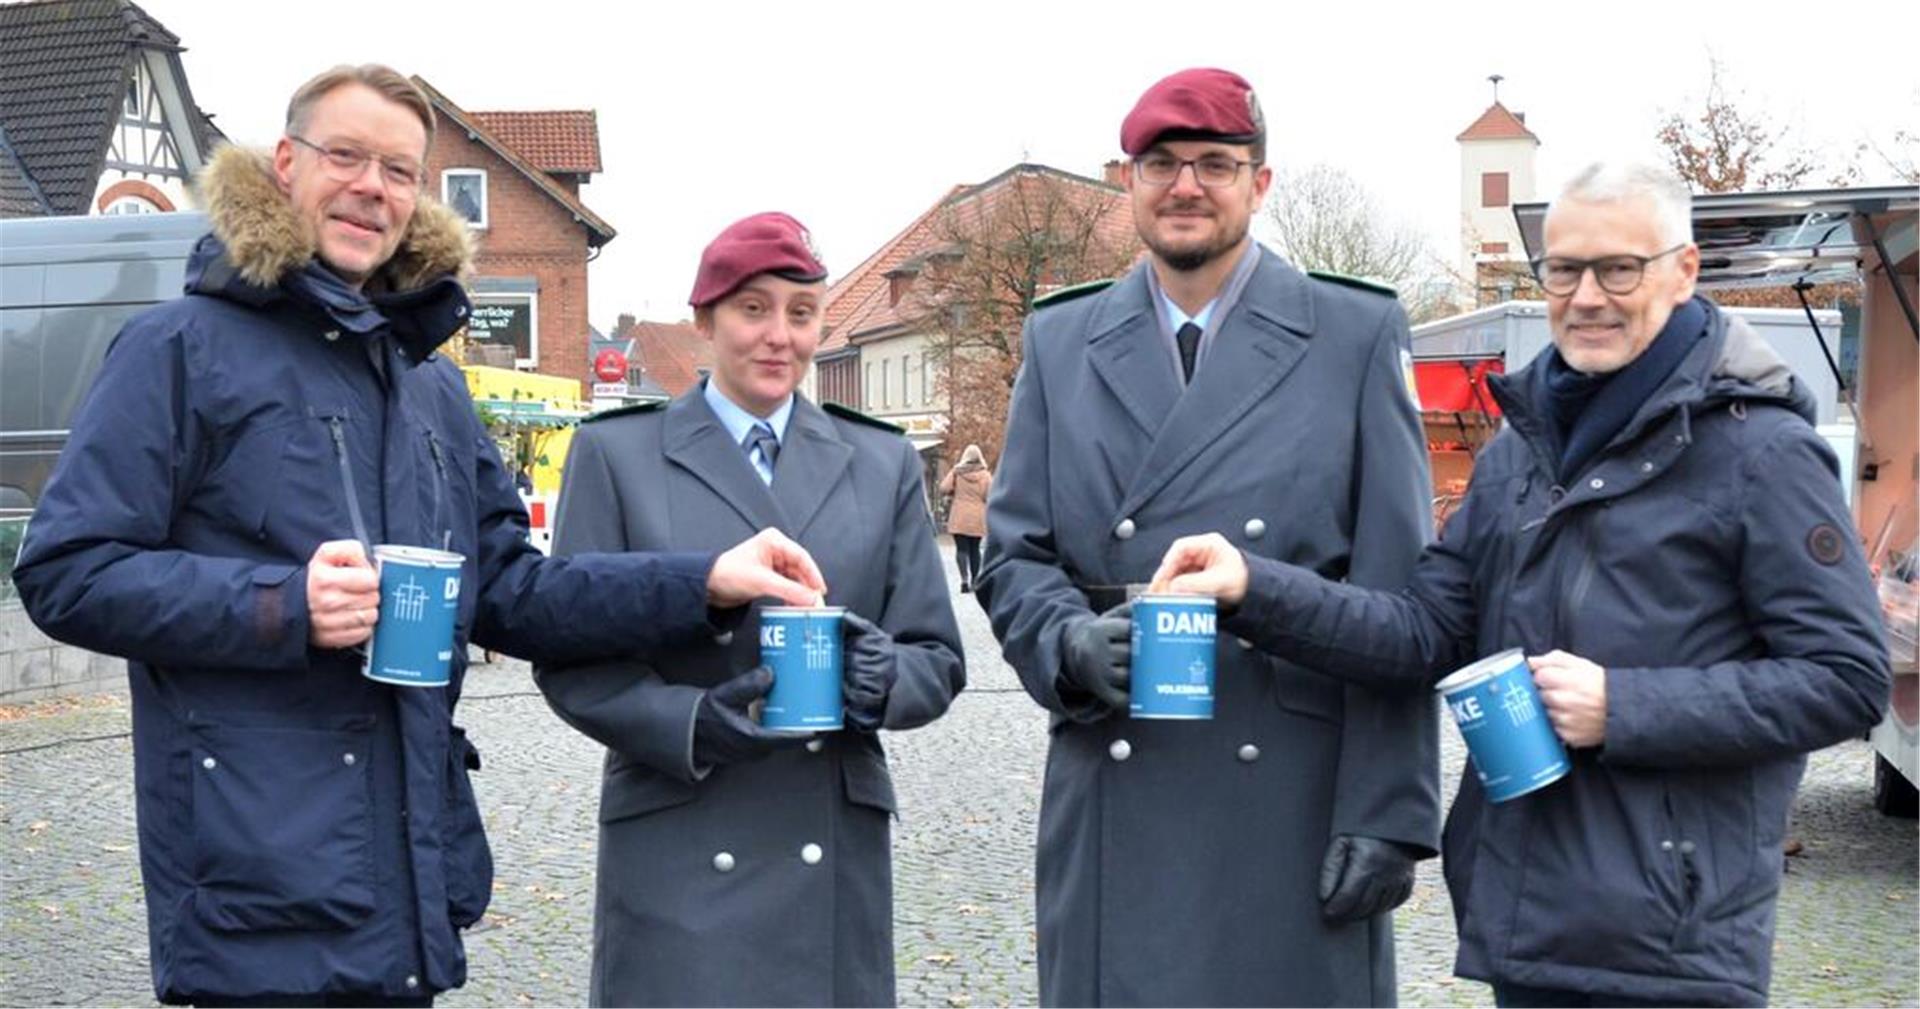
pixel 345 162
pixel 1560 276
pixel 1213 171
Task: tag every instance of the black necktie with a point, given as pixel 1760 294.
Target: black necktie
pixel 762 438
pixel 1189 340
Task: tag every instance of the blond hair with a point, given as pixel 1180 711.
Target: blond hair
pixel 388 82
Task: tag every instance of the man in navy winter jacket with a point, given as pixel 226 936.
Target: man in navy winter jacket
pixel 309 836
pixel 1661 530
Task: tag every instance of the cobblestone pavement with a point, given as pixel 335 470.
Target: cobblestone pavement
pixel 73 927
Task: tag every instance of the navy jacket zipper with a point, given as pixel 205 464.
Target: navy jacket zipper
pixel 346 483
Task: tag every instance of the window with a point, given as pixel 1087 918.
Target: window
pixel 926 380
pixel 1493 189
pixel 1493 248
pixel 465 190
pixel 130 205
pixel 905 398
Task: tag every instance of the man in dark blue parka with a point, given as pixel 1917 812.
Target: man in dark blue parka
pixel 1661 530
pixel 309 836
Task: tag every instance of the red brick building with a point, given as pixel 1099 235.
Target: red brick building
pixel 516 176
pixel 671 355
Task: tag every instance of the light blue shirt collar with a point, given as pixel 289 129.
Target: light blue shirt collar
pixel 738 421
pixel 1180 318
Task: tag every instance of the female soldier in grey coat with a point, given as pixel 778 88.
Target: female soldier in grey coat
pixel 740 866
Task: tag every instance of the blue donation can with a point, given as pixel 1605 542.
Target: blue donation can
pixel 802 645
pixel 1514 748
pixel 1173 640
pixel 419 597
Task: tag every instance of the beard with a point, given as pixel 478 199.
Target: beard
pixel 1187 257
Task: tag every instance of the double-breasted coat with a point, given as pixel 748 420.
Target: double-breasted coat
pixel 1178 863
pixel 767 882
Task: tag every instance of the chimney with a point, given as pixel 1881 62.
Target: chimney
pixel 1115 172
pixel 624 326
pixel 1522 116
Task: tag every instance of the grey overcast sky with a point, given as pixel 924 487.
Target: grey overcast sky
pixel 856 117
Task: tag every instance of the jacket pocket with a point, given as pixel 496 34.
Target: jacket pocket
pixel 469 860
pixel 868 783
pixel 1301 691
pixel 632 790
pixel 1602 880
pixel 282 828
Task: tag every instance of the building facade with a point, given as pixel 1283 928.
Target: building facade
pixel 516 177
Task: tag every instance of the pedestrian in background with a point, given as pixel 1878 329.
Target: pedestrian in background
pixel 740 865
pixel 965 488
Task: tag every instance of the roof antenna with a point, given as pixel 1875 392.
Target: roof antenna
pixel 1496 79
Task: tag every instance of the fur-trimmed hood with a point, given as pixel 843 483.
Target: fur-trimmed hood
pixel 265 240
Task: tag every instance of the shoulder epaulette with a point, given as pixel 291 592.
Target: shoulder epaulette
pixel 1066 294
pixel 1356 283
pixel 849 413
pixel 622 411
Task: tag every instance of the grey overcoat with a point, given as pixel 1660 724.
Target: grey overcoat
pixel 1178 862
pixel 767 882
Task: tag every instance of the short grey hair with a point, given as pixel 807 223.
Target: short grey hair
pixel 1609 182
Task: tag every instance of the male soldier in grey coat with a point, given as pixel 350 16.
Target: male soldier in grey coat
pixel 1251 859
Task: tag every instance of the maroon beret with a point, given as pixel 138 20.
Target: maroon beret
pixel 1198 104
pixel 764 243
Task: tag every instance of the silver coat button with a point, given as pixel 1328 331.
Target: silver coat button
pixel 1123 531
pixel 723 639
pixel 412 982
pixel 1666 845
pixel 347 759
pixel 723 862
pixel 1120 749
pixel 1646 467
pixel 1244 644
pixel 816 745
pixel 1249 753
pixel 209 763
pixel 332 335
pixel 1256 528
pixel 1596 483
pixel 1686 847
pixel 811 854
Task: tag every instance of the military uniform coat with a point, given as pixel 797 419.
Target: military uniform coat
pixel 1178 862
pixel 767 882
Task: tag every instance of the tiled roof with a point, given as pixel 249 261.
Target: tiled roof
pixel 858 303
pixel 599 232
pixel 19 195
pixel 1498 124
pixel 563 141
pixel 671 354
pixel 63 74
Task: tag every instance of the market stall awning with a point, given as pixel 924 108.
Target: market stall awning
pixel 1778 239
pixel 529 414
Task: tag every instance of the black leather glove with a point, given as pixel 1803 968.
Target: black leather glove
pixel 867 672
pixel 1363 876
pixel 1098 656
pixel 723 732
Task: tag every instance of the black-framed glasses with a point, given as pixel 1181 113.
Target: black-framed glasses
pixel 1210 170
pixel 1560 276
pixel 345 162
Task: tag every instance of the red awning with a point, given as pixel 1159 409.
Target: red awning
pixel 1457 386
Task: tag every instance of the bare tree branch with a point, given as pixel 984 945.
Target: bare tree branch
pixel 1323 219
pixel 991 254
